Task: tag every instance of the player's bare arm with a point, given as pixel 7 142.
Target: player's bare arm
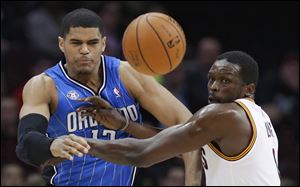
pixel 198 131
pixel 154 97
pixel 38 98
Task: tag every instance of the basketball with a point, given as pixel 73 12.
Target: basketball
pixel 154 43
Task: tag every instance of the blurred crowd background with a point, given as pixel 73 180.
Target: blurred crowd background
pixel 269 31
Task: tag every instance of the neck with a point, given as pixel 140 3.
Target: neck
pixel 86 78
pixel 92 79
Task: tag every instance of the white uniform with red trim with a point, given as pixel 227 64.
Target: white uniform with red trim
pixel 256 165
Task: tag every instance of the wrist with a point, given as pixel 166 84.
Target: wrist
pixel 52 148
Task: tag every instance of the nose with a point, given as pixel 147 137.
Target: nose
pixel 214 86
pixel 84 49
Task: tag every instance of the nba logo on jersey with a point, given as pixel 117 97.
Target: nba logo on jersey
pixel 117 92
pixel 73 95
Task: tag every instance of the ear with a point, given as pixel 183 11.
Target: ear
pixel 249 89
pixel 61 44
pixel 103 44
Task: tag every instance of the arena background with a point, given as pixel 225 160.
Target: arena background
pixel 269 31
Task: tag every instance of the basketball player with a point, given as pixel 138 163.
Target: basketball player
pixel 237 141
pixel 49 114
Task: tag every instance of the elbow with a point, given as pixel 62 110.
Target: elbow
pixel 25 153
pixel 22 154
pixel 21 151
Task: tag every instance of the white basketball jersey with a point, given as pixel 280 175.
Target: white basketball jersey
pixel 255 165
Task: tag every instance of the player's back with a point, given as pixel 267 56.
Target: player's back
pixel 88 170
pixel 256 164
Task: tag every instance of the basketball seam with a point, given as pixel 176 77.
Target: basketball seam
pixel 161 42
pixel 184 46
pixel 138 45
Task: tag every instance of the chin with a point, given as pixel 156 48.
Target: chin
pixel 84 71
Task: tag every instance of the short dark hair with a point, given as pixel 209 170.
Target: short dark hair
pixel 249 68
pixel 81 17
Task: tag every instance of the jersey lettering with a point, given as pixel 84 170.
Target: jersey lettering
pixel 76 122
pixel 269 129
pixel 204 162
pixel 111 134
pixel 130 112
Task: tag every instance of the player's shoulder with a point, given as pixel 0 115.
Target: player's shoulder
pixel 41 81
pixel 127 71
pixel 221 109
pixel 125 66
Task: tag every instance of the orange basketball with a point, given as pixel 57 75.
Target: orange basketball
pixel 154 43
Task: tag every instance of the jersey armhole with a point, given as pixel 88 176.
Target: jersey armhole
pixel 249 146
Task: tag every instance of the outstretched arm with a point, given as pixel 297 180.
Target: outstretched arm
pixel 104 113
pixel 208 124
pixel 143 153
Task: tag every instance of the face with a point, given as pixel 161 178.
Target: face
pixel 82 48
pixel 224 82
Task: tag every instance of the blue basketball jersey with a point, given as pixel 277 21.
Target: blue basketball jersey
pixel 89 170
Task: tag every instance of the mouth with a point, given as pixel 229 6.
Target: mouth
pixel 84 61
pixel 212 99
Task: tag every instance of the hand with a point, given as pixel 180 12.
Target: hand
pixel 102 112
pixel 69 145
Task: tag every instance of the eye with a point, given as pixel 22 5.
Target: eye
pixel 225 81
pixel 93 43
pixel 76 43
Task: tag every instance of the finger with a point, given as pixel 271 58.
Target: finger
pixel 78 146
pixel 67 155
pixel 98 102
pixel 100 111
pixel 80 140
pixel 93 115
pixel 91 99
pixel 86 108
pixel 70 143
pixel 96 113
pixel 73 151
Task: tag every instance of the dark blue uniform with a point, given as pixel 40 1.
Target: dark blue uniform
pixel 89 170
